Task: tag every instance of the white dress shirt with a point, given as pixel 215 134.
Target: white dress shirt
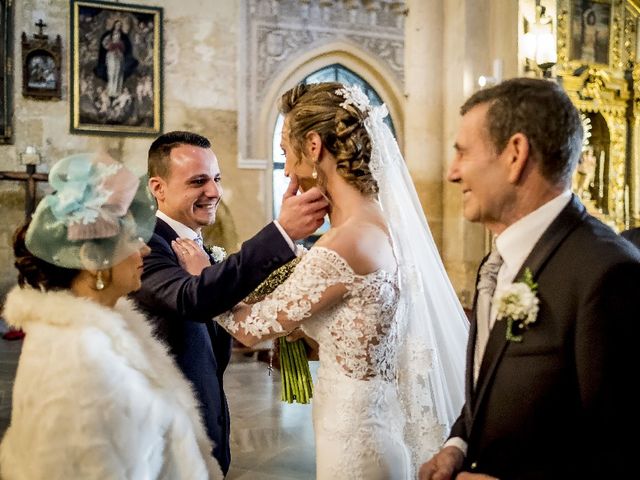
pixel 180 228
pixel 515 244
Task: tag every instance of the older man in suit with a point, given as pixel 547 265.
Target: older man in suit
pixel 544 399
pixel 186 182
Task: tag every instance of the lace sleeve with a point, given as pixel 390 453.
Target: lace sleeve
pixel 319 281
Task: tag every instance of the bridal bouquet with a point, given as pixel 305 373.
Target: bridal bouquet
pixel 296 382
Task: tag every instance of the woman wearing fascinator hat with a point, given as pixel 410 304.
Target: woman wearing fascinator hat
pixel 372 292
pixel 95 395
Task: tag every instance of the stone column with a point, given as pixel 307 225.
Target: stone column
pixel 476 33
pixel 423 106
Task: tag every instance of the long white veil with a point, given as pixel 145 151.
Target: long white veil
pixel 431 359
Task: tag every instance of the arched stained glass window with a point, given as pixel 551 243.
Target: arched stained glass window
pixel 331 73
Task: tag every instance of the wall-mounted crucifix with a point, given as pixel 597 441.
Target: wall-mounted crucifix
pixel 41 25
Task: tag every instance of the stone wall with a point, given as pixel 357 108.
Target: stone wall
pixel 206 46
pixel 448 45
pixel 199 95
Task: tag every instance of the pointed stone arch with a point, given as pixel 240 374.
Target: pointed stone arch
pixel 366 66
pixel 256 127
pixel 363 64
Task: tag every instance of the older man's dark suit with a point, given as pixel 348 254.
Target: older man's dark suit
pixel 558 404
pixel 182 306
pixel 633 235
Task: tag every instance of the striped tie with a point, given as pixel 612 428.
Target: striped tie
pixel 486 289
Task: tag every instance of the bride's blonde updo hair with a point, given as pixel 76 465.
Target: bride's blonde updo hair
pixel 316 108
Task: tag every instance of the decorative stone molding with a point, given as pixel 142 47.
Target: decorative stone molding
pixel 280 33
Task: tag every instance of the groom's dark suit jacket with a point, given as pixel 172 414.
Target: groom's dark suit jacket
pixel 558 404
pixel 181 307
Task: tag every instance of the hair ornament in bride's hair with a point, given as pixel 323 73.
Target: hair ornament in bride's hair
pixel 353 95
pixel 373 123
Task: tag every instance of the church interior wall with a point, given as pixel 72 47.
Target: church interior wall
pixel 203 53
pixel 209 60
pixel 199 95
pixel 490 34
pixel 424 76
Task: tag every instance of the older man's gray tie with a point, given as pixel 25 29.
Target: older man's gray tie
pixel 486 289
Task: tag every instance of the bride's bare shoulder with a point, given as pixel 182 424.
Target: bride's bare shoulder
pixel 364 245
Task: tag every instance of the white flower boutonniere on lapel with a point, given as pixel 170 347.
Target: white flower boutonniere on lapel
pixel 517 303
pixel 218 253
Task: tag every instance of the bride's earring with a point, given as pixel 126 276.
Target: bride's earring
pixel 99 281
pixel 314 174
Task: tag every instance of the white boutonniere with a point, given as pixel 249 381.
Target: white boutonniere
pixel 218 253
pixel 518 305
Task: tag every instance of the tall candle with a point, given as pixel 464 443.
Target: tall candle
pixel 638 41
pixel 601 177
pixel 627 217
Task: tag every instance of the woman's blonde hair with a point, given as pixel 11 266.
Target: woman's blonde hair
pixel 316 108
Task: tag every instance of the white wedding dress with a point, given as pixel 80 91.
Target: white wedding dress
pixel 392 351
pixel 357 413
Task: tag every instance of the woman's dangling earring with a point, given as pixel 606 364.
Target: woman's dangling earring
pixel 99 281
pixel 314 174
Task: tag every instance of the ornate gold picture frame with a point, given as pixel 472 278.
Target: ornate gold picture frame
pixel 116 68
pixel 6 76
pixel 597 79
pixel 590 31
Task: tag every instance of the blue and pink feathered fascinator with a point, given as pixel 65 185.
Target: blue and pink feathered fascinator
pixel 99 214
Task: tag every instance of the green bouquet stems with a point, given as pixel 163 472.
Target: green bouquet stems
pixel 297 384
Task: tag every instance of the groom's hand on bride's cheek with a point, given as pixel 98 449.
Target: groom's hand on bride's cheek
pixel 302 213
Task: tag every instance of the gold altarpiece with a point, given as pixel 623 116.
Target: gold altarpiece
pixel 598 66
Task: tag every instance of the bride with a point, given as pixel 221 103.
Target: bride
pixel 372 292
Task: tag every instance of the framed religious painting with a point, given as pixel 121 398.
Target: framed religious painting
pixel 116 68
pixel 6 75
pixel 590 31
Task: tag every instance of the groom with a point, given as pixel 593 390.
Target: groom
pixel 185 179
pixel 548 400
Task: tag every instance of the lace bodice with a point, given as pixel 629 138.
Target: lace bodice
pixel 392 346
pixel 360 398
pixel 358 336
pixel 353 315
